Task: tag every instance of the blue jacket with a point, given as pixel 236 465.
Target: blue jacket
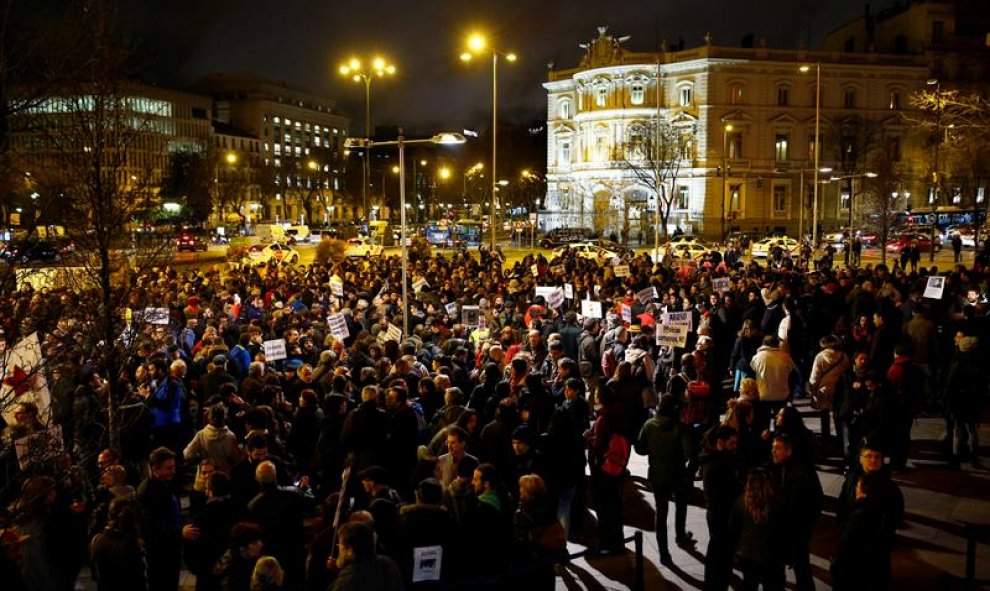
pixel 167 402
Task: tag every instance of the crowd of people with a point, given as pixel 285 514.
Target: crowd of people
pixel 466 453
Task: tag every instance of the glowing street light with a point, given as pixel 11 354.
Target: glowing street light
pixel 354 69
pixel 477 45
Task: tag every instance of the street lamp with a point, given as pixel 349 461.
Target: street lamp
pixel 851 178
pixel 445 138
pixel 357 71
pixel 725 172
pixel 935 178
pixel 477 45
pixel 818 125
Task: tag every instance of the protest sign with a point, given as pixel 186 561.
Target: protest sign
pixel 451 309
pixel 338 326
pixel 720 284
pixel 156 315
pixel 645 295
pixel 556 298
pixel 622 271
pixel 935 288
pixel 569 291
pixel 679 318
pixel 274 349
pixel 591 309
pixel 626 313
pixel 672 335
pixel 470 315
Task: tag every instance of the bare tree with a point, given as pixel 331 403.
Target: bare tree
pixel 880 196
pixel 655 153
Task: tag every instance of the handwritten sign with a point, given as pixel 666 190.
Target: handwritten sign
pixel 645 295
pixel 672 335
pixel 535 270
pixel 337 288
pixel 569 291
pixel 156 315
pixel 720 284
pixel 935 288
pixel 338 326
pixel 556 298
pixel 545 291
pixel 626 313
pixel 622 271
pixel 274 349
pixel 591 309
pixel 677 318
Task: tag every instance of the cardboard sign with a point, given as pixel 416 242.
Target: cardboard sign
pixel 338 326
pixel 156 315
pixel 451 309
pixel 935 288
pixel 337 288
pixel 626 313
pixel 274 349
pixel 622 271
pixel 470 315
pixel 591 309
pixel 556 298
pixel 677 318
pixel 535 270
pixel 569 291
pixel 672 335
pixel 645 295
pixel 720 284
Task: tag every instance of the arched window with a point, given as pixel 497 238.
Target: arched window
pixel 564 109
pixel 685 94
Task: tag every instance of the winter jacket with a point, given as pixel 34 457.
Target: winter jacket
pixel 213 443
pixel 665 440
pixel 773 367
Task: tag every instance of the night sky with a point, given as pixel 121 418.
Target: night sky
pixel 302 42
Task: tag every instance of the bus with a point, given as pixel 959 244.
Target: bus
pixel 463 232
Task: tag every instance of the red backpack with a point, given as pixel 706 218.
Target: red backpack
pixel 696 401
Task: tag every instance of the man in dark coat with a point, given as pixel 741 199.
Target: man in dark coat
pixel 161 522
pixel 364 429
pixel 800 493
pixel 723 483
pixel 280 512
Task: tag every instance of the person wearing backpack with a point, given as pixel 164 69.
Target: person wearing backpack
pixel 693 400
pixel 668 445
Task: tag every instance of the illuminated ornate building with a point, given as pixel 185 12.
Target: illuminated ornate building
pixel 744 122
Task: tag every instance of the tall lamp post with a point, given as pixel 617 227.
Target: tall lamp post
pixel 445 138
pixel 359 73
pixel 476 46
pixel 725 171
pixel 936 180
pixel 818 143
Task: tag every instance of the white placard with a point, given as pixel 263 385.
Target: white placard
pixel 394 333
pixel 557 269
pixel 156 315
pixel 274 349
pixel 337 288
pixel 545 291
pixel 419 284
pixel 626 313
pixel 569 291
pixel 556 298
pixel 426 563
pixel 935 287
pixel 678 318
pixel 622 270
pixel 597 289
pixel 720 284
pixel 41 447
pixel 591 309
pixel 645 295
pixel 451 309
pixel 535 270
pixel 470 316
pixel 672 335
pixel 338 326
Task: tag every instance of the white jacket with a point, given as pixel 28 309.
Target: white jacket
pixel 773 367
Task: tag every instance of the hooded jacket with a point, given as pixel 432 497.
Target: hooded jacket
pixel 214 443
pixel 773 367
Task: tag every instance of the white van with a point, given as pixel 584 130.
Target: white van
pixel 301 233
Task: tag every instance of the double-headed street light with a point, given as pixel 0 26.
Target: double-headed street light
pixel 477 45
pixel 360 72
pixel 446 138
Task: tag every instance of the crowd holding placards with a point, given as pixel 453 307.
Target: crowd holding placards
pixel 281 432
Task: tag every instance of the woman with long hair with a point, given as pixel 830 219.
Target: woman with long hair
pixel 754 523
pixel 748 340
pixel 117 552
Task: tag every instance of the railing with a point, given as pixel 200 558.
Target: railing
pixel 975 533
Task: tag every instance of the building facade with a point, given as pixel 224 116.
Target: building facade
pixel 744 119
pixel 301 137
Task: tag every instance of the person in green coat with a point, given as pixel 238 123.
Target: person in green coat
pixel 668 445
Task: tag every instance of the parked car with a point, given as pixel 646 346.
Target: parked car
pixel 560 236
pixel 901 241
pixel 586 250
pixel 967 232
pixel 191 242
pixel 271 253
pixel 763 248
pixel 299 233
pixel 363 247
pixel 33 250
pixel 685 250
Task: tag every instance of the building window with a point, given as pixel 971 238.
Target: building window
pixel 685 95
pixel 938 31
pixel 783 96
pixel 780 147
pixel 811 147
pixel 735 145
pixel 565 153
pixel 849 98
pixel 565 109
pixel 895 100
pixel 844 200
pixel 980 194
pixel 637 93
pixel 894 149
pixel 735 94
pixel 956 195
pixel 601 144
pixel 735 199
pixel 601 95
pixel 683 198
pixel 781 201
